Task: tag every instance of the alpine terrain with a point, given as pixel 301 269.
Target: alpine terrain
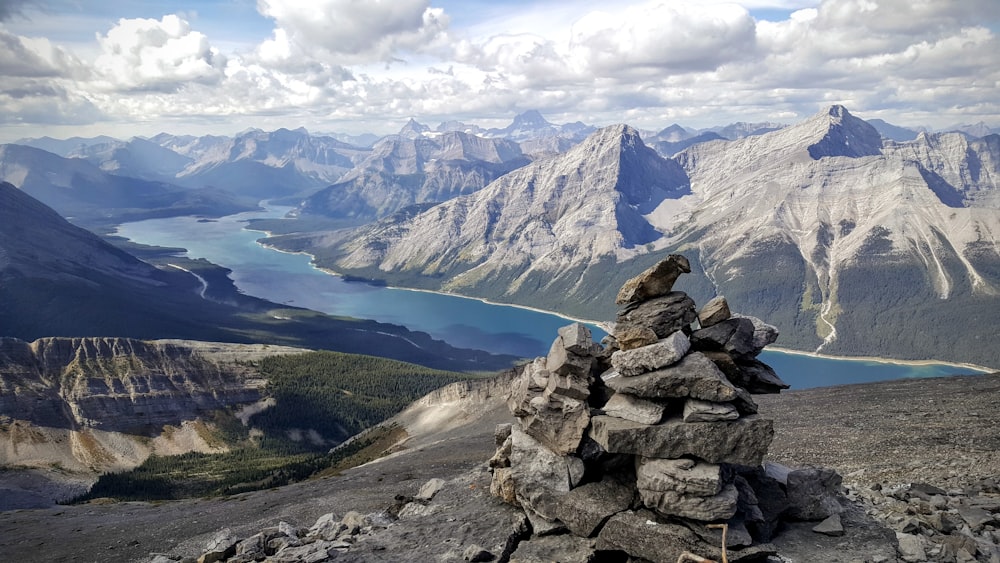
pixel 860 235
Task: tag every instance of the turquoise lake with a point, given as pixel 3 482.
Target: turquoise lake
pixel 468 323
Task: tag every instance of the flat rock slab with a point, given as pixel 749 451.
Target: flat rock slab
pixel 664 315
pixel 655 281
pixel 743 441
pixel 547 549
pixel 641 535
pixel 651 357
pixel 694 376
pixel 586 507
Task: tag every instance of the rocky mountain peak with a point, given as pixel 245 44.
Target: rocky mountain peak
pixel 413 129
pixel 530 118
pixel 843 135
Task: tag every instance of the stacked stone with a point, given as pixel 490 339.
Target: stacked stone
pixel 646 441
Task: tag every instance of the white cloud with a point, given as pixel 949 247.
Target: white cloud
pixel 351 31
pixel 35 57
pixel 161 55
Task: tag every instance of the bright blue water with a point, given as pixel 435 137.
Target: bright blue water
pixel 468 323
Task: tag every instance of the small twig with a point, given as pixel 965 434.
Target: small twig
pixel 725 529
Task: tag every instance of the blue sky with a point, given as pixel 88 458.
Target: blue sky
pixel 117 67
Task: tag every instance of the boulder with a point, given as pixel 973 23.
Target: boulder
pixel 221 547
pixel 642 535
pixel 911 548
pixel 327 527
pixel 758 378
pixel 584 509
pixel 763 333
pixel 696 410
pixel 684 476
pixel 429 489
pixel 656 281
pixel 569 385
pixel 813 493
pixel 535 469
pixel 734 336
pixel 563 361
pixel 633 408
pixel 634 337
pixel 503 487
pixel 743 441
pixel 651 357
pixel 558 422
pixel 309 553
pixel 714 312
pixel 663 315
pixel 694 376
pixel 576 339
pixel 671 503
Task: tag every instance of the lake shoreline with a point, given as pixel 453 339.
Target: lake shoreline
pixel 605 326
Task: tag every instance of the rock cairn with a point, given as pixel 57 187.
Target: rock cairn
pixel 651 441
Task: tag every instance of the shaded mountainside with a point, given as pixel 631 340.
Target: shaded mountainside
pixel 57 279
pixel 859 236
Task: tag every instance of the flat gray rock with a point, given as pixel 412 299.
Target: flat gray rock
pixel 743 441
pixel 654 281
pixel 651 357
pixel 694 376
pixel 635 409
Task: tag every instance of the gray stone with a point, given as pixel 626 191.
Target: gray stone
pixel 309 553
pixel 547 549
pixel 743 441
pixel 221 547
pixel 813 493
pixel 696 410
pixel 695 376
pixel 576 339
pixel 655 281
pixel 327 527
pixel 763 333
pixel 733 336
pixel 353 521
pixel 536 470
pixel 832 526
pixel 633 408
pixel 642 535
pixel 562 361
pixel 585 508
pixel 671 503
pixel 289 530
pixel 652 357
pixel 501 433
pixel 569 385
pixel 663 315
pixel 911 548
pixel 558 422
pixel 635 337
pixel 430 488
pixel 976 518
pixel 714 312
pixel 503 487
pixel 501 458
pixel 684 476
pixel 757 377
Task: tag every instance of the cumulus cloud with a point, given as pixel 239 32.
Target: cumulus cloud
pixel 34 57
pixel 352 31
pixel 672 37
pixel 161 55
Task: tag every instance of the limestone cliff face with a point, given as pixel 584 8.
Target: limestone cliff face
pixel 98 404
pixel 114 384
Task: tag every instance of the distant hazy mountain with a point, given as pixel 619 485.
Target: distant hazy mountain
pixel 264 164
pixel 742 129
pixel 539 137
pixel 63 147
pixel 57 279
pixel 413 130
pixel 980 129
pixel 893 132
pixel 670 148
pixel 847 244
pixel 78 188
pixel 401 171
pixel 136 158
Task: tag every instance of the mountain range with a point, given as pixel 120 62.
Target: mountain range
pixel 57 279
pixel 864 236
